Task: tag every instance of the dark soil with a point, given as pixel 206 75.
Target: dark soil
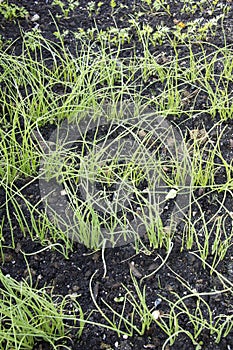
pixel 73 274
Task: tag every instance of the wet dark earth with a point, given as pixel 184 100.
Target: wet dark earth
pixel 166 274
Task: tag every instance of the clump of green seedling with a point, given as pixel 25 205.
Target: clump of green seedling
pixel 11 11
pixel 66 9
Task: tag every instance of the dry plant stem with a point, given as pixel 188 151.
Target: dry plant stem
pixel 161 265
pixel 103 259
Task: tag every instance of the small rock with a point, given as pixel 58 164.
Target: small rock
pixel 75 288
pixel 156 314
pixel 35 18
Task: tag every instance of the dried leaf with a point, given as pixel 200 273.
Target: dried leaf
pixel 171 194
pixel 179 23
pixel 199 135
pixel 134 270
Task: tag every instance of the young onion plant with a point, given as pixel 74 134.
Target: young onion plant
pixel 29 315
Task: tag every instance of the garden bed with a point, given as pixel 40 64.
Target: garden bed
pixel 65 63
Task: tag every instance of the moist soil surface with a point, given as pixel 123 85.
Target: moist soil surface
pixel 72 274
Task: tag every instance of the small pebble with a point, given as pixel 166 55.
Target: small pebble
pixel 35 18
pixel 156 314
pixel 158 302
